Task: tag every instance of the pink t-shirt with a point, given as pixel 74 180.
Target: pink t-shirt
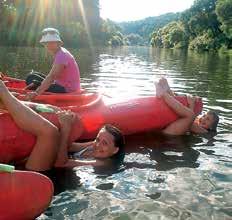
pixel 70 77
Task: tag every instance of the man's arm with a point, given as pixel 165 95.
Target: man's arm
pixel 56 70
pixel 53 74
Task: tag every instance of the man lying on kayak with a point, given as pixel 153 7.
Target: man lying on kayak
pixel 51 147
pixel 187 121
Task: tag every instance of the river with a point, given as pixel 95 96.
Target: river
pixel 187 177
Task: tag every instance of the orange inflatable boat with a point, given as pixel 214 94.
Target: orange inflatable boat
pixel 131 116
pixel 24 195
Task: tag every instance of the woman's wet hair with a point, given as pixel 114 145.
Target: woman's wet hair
pixel 213 127
pixel 119 141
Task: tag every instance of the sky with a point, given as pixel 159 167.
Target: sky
pixel 130 10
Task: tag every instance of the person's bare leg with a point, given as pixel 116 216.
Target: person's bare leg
pixel 66 119
pixel 187 116
pixel 45 150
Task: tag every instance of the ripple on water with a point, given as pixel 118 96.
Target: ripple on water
pixel 162 184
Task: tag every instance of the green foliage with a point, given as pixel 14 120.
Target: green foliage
pixel 21 21
pixel 202 42
pixel 224 13
pixel 115 41
pixel 207 25
pixel 79 23
pixel 199 27
pixel 145 27
pixel 170 36
pixel 134 39
pixel 111 34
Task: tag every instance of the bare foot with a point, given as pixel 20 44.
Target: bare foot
pixel 159 90
pixel 3 87
pixel 164 83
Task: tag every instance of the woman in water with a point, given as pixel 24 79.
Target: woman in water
pixel 52 147
pixel 108 146
pixel 188 120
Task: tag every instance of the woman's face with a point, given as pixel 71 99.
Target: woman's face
pixel 51 46
pixel 104 146
pixel 206 120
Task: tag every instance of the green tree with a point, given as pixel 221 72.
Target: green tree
pixel 170 36
pixel 21 21
pixel 111 33
pixel 135 39
pixel 204 42
pixel 199 27
pixel 224 13
pixel 146 26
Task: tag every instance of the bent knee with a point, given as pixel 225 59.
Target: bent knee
pixel 51 132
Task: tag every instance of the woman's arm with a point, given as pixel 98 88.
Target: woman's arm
pixel 66 120
pixel 76 147
pixel 187 116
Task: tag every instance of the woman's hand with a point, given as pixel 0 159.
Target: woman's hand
pixel 66 118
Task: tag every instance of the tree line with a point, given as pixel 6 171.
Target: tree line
pixel 78 21
pixel 139 32
pixel 207 25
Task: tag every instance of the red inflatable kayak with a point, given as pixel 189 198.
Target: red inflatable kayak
pixel 24 195
pixel 61 99
pixel 11 82
pixel 132 116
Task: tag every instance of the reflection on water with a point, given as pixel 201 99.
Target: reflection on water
pixel 188 177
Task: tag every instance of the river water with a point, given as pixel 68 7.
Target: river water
pixel 187 177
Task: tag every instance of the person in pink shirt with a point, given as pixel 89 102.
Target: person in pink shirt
pixel 64 76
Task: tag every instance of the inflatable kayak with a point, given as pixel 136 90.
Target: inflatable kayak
pixel 24 195
pixel 61 99
pixel 11 82
pixel 131 116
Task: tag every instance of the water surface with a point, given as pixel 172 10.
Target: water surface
pixel 187 177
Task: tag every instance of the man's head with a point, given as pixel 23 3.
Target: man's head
pixel 51 39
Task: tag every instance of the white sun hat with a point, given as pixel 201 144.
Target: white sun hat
pixel 50 35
